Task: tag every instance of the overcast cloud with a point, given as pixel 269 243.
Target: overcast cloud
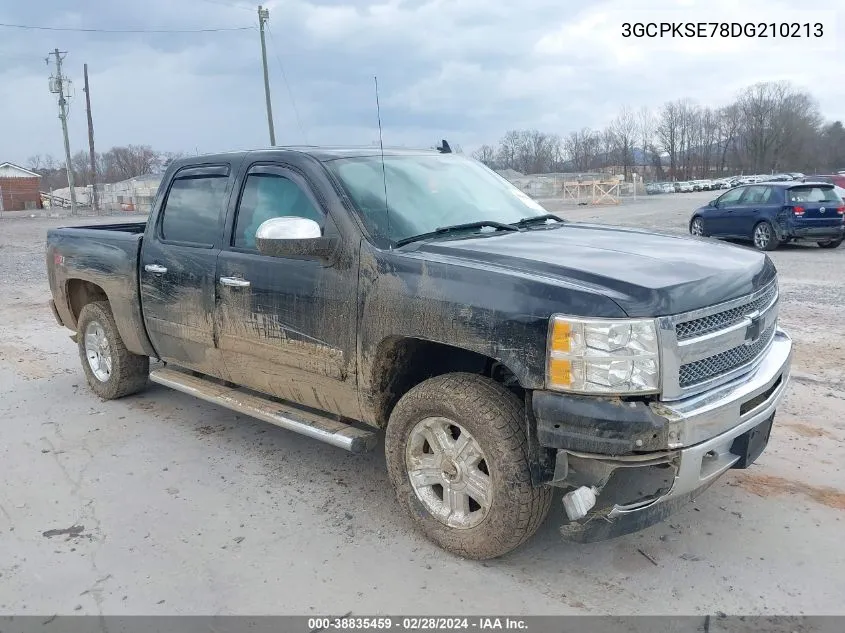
pixel 465 70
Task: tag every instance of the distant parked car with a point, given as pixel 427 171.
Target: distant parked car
pixel 774 213
pixel 669 187
pixel 834 179
pixel 684 187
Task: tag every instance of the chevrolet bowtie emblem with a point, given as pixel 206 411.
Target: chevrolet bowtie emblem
pixel 753 331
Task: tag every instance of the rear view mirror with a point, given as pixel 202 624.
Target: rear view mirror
pixel 293 237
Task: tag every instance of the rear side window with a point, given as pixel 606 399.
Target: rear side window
pixel 758 195
pixel 192 210
pixel 812 194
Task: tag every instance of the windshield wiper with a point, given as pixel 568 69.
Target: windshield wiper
pixel 537 219
pixel 456 228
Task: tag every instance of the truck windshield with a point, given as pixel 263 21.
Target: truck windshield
pixel 428 192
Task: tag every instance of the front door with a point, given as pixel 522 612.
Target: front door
pixel 178 261
pixel 287 326
pixel 722 218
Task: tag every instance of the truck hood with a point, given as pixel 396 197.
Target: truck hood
pixel 647 274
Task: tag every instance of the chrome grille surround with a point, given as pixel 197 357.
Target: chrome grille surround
pixel 721 320
pixel 705 348
pixel 718 364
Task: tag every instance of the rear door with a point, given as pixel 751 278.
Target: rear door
pixel 760 202
pixel 719 222
pixel 178 261
pixel 820 204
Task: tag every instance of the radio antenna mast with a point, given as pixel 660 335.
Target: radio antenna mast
pixel 383 170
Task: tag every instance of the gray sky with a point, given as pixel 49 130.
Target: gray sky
pixel 465 70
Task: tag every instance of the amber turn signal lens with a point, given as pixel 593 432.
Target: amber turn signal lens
pixel 561 336
pixel 560 372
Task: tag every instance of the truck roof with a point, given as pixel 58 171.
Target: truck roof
pixel 321 153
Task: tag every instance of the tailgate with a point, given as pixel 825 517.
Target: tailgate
pixel 816 205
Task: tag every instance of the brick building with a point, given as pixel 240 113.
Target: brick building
pixel 19 188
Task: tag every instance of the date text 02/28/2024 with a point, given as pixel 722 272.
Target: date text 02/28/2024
pixel 785 30
pixel 424 623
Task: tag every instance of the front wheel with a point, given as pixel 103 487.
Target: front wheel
pixel 765 238
pixel 111 369
pixel 696 227
pixel 830 243
pixel 457 456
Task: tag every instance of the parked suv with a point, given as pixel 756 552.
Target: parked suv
pixel 770 214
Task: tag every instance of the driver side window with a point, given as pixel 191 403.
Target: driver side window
pixel 267 196
pixel 731 197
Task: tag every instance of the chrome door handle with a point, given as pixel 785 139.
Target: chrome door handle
pixel 155 268
pixel 234 282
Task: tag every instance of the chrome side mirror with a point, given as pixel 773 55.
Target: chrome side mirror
pixel 293 237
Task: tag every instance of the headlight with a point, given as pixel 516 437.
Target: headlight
pixel 613 356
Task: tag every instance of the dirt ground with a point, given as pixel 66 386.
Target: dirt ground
pixel 161 504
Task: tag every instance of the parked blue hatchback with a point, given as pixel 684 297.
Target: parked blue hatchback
pixel 772 213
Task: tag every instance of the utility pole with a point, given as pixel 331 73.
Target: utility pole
pixel 57 86
pixel 94 202
pixel 264 16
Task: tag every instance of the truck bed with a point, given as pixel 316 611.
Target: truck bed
pixel 99 259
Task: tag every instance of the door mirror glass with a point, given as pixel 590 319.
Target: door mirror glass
pixel 292 237
pixel 714 203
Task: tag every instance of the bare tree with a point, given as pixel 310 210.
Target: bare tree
pixel 486 154
pixel 669 134
pixel 122 163
pixel 508 148
pixel 80 163
pixel 34 162
pixel 624 130
pixel 645 130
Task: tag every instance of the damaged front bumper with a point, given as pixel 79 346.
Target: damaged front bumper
pixel 701 438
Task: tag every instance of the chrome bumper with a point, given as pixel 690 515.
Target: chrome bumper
pixel 721 416
pixel 699 418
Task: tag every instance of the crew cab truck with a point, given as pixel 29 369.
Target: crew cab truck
pixel 503 351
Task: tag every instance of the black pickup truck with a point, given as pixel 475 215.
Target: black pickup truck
pixel 502 350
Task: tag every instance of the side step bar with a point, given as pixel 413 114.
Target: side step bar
pixel 329 430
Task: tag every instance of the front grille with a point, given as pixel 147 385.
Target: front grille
pixel 719 364
pixel 725 319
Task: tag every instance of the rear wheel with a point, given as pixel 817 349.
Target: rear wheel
pixel 457 456
pixel 696 227
pixel 830 243
pixel 765 238
pixel 112 370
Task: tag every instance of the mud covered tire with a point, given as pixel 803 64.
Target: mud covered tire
pixel 128 372
pixel 830 243
pixel 494 419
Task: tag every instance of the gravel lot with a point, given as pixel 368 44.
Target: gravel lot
pixel 185 507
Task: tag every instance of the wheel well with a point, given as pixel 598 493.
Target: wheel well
pixel 403 363
pixel 80 293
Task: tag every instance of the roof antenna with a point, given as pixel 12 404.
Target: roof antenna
pixel 444 147
pixel 383 171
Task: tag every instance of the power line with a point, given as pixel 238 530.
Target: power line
pixel 81 30
pixel 287 85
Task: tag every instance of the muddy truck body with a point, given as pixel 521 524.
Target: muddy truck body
pixel 500 350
